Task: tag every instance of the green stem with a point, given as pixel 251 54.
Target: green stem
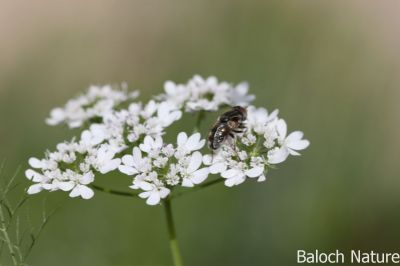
pixel 173 242
pixel 113 191
pixel 7 238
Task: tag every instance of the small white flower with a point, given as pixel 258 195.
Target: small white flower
pixel 42 182
pixel 257 118
pixel 270 135
pixel 288 145
pixel 239 95
pixel 167 114
pixel 234 177
pixel 192 175
pixel 168 150
pixel 238 173
pixel 94 136
pixel 149 110
pixel 153 193
pixel 152 146
pixel 97 102
pixel 177 94
pixel 188 144
pixel 104 160
pixel 249 139
pixel 205 94
pixel 57 116
pixel 135 163
pixel 81 189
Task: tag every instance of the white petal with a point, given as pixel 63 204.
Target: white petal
pixel 75 192
pixel 207 159
pixel 110 166
pixel 193 142
pixel 36 188
pixel 35 163
pixel 173 116
pixel 230 182
pixel 137 154
pixel 75 124
pixel 146 186
pixel 293 152
pixel 128 170
pixel 163 110
pixel 154 198
pixel 240 179
pixel 281 128
pixel 65 186
pixel 147 144
pixel 98 129
pixel 273 115
pixel 145 194
pixel 278 155
pixel 86 193
pixel 294 136
pixel 57 113
pixel 164 192
pixel 195 162
pixel 86 137
pixel 128 160
pixel 51 187
pixel 230 173
pixel 201 144
pixel 158 142
pixel 170 87
pixel 218 168
pixel 262 178
pixel 102 154
pixel 87 178
pixel 200 175
pixel 33 175
pixel 298 145
pixel 186 182
pixel 242 88
pixel 255 171
pixel 29 174
pixel 134 186
pixel 182 139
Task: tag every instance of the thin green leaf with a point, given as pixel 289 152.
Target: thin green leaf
pixel 10 182
pixel 8 209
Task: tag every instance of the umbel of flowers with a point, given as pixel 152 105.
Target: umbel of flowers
pixel 120 133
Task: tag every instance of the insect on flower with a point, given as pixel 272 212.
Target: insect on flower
pixel 227 125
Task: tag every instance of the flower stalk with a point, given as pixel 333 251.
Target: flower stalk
pixel 201 186
pixel 173 242
pixel 114 191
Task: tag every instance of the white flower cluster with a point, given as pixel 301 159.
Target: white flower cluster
pixel 263 144
pixel 97 102
pixel 121 135
pixel 205 94
pixel 165 166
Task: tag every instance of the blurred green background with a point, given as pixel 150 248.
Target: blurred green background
pixel 331 67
